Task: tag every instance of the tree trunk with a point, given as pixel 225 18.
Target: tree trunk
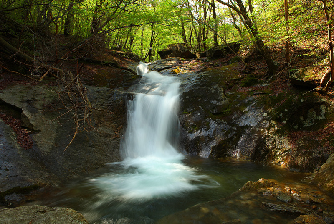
pixel 68 26
pixel 204 31
pixel 96 19
pixel 215 31
pixel 150 51
pixel 183 32
pixel 10 50
pixel 328 78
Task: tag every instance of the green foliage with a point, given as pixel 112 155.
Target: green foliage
pixel 136 25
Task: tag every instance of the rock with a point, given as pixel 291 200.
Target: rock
pixel 324 178
pixel 260 202
pixel 47 162
pixel 19 168
pixel 223 50
pixel 165 53
pixel 309 219
pixel 283 208
pixel 40 214
pixel 298 79
pixel 176 50
pixel 213 125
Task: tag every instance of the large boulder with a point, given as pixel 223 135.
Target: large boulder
pixel 324 177
pixel 222 51
pixel 176 50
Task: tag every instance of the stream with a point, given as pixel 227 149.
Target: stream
pixel 154 180
pixel 103 205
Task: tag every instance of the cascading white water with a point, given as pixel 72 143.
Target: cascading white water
pixel 152 165
pixel 152 118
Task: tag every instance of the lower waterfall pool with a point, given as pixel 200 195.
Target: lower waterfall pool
pixel 218 179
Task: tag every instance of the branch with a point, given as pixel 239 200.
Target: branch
pixel 14 51
pixel 231 6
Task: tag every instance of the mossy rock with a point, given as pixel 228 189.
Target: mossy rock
pixel 299 112
pixel 250 80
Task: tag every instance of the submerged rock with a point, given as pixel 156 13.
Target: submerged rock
pixel 261 202
pixel 40 214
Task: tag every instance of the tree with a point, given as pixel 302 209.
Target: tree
pixel 329 77
pixel 239 7
pixel 214 16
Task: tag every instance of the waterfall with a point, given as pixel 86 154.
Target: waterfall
pixel 151 167
pixel 152 118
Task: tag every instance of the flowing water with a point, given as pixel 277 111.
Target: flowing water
pixel 154 179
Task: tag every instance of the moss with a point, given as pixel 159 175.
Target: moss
pixel 18 190
pixel 249 80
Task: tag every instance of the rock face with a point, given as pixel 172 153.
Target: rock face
pixel 51 128
pixel 224 114
pixel 51 132
pixel 264 201
pixel 40 214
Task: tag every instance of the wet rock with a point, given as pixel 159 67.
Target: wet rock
pixel 283 208
pixel 309 219
pixel 19 168
pixel 284 197
pixel 261 202
pixel 47 162
pixel 324 178
pixel 214 125
pixel 40 214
